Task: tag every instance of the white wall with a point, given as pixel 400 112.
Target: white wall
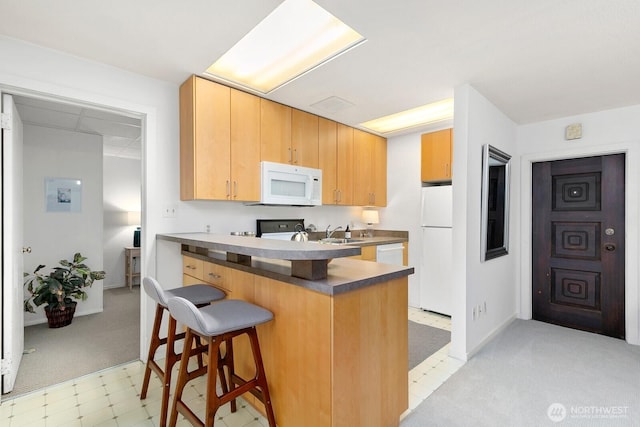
pixel 121 194
pixel 478 122
pixel 606 132
pixel 59 235
pixel 31 70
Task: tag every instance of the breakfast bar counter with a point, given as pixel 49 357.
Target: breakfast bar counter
pixel 336 353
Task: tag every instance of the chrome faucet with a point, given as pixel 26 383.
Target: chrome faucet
pixel 330 233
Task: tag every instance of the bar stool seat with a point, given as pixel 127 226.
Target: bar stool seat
pixel 200 295
pixel 219 323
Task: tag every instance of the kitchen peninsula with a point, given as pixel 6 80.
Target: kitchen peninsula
pixel 336 352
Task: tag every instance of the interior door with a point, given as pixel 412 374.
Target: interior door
pixel 12 266
pixel 578 243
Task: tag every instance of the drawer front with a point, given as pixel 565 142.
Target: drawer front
pixel 217 275
pixel 192 267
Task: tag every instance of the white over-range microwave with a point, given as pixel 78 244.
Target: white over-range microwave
pixel 283 184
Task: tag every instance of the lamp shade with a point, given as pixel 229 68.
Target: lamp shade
pixel 133 218
pixel 370 216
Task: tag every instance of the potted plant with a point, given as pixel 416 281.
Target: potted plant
pixel 57 288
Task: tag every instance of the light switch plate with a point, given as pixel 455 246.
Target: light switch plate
pixel 573 131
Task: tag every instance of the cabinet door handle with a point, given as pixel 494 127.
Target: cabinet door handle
pixel 235 189
pixel 295 155
pixel 339 195
pixel 215 276
pixel 228 188
pixel 189 267
pixel 290 155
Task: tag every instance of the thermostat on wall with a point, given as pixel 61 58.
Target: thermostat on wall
pixel 573 131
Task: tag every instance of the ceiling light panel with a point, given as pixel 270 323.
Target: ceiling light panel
pixel 295 38
pixel 426 114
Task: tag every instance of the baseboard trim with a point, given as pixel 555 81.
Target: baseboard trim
pixel 491 335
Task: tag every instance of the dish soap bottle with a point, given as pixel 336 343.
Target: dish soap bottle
pixel 347 233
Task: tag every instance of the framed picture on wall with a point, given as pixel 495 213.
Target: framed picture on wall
pixel 63 194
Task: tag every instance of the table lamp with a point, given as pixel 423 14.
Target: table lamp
pixel 370 217
pixel 133 218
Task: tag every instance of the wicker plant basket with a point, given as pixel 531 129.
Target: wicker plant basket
pixel 59 318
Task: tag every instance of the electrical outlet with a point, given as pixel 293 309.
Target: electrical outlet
pixel 170 211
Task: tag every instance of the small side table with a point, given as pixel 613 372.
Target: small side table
pixel 130 255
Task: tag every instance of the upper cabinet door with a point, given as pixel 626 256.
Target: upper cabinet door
pixel 304 139
pixel 327 151
pixel 204 140
pixel 344 160
pixel 370 169
pixel 275 132
pixel 437 156
pixel 245 147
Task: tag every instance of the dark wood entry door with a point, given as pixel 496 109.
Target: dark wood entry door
pixel 578 243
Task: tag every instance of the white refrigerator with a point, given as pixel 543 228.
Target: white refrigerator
pixel 437 251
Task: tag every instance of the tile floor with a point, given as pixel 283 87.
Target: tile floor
pixel 111 397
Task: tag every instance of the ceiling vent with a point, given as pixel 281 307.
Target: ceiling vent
pixel 333 104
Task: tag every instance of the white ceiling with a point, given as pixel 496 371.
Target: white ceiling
pixel 121 134
pixel 534 60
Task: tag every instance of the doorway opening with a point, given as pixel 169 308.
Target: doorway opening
pixel 53 126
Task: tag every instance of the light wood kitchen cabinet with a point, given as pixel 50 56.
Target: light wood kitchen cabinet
pixel 336 162
pixel 245 147
pixel 275 132
pixel 304 138
pixel 288 135
pixel 204 140
pixel 370 169
pixel 437 156
pixel 219 142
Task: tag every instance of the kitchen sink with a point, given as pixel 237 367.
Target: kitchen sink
pixel 336 241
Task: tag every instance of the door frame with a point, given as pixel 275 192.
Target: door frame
pixel 631 150
pixel 148 118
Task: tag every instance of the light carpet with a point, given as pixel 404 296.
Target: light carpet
pixel 89 344
pixel 537 374
pixel 425 340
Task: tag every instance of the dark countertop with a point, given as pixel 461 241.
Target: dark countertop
pixel 265 248
pixel 277 259
pixel 344 274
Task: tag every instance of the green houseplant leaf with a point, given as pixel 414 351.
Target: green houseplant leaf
pixel 61 285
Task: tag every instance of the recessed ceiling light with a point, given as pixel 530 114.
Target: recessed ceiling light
pixel 430 113
pixel 295 38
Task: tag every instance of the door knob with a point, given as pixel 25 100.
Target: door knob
pixel 609 247
pixel 26 250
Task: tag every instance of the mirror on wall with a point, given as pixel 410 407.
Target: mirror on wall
pixel 495 203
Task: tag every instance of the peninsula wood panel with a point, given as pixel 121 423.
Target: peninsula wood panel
pixel 296 349
pixel 372 363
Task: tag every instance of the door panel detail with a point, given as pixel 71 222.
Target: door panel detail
pixel 575 288
pixel 577 192
pixel 576 240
